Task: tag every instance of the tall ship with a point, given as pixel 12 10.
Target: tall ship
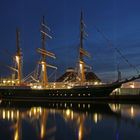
pixel 64 88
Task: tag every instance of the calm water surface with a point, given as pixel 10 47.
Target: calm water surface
pixel 69 121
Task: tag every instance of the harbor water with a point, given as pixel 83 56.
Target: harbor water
pixel 69 121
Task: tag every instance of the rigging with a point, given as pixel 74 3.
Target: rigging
pixel 117 50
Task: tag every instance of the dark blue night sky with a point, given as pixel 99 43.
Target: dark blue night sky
pixel 118 20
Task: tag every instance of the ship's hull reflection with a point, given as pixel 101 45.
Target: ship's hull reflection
pixel 76 106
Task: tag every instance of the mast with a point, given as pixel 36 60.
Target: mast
pixel 18 57
pixel 82 52
pixel 81 35
pixel 44 53
pixel 43 62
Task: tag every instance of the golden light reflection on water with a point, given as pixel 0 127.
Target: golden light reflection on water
pixel 16 116
pixel 131 111
pixel 80 133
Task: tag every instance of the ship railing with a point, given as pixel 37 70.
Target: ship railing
pixel 63 85
pixel 52 85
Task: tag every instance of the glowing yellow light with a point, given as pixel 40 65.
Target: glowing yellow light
pixel 132 85
pixel 16 137
pixel 3 114
pixel 68 87
pixel 42 131
pixel 17 59
pixel 96 83
pixel 132 111
pixel 34 110
pixel 34 86
pixel 81 66
pixel 114 107
pixel 68 112
pixel 95 117
pixel 12 115
pixel 80 133
pixel 43 66
pixel 4 81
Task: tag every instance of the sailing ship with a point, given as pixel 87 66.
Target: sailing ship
pixel 45 90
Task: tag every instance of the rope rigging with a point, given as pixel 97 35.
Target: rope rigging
pixel 117 50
